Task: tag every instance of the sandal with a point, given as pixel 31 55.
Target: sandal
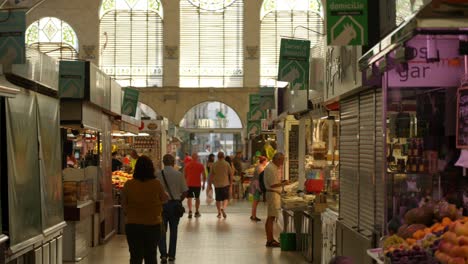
pixel 272 243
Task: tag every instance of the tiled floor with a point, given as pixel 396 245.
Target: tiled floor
pixel 210 240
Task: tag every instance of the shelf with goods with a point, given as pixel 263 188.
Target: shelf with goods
pixel 148 144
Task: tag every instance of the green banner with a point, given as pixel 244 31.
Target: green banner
pixel 347 22
pixel 12 39
pixel 256 113
pixel 72 76
pixel 254 127
pixel 130 102
pixel 294 63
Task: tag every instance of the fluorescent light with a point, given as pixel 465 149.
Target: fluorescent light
pixel 143 134
pixel 117 135
pixel 325 117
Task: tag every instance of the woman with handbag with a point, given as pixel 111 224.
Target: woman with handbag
pixel 174 184
pixel 142 202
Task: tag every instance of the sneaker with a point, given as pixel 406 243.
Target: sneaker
pixel 219 215
pixel 197 214
pixel 163 260
pixel 190 215
pixel 272 244
pixel 224 213
pixel 256 219
pixel 171 259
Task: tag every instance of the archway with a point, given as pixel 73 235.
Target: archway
pixel 210 127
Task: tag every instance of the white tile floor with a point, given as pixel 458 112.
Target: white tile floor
pixel 210 240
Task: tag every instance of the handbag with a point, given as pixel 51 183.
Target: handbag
pixel 179 210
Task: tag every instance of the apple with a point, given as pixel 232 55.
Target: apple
pixel 457 261
pixel 445 247
pixel 461 229
pixel 457 252
pixel 450 237
pixel 464 251
pixel 463 241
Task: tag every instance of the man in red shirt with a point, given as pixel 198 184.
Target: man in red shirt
pixel 194 174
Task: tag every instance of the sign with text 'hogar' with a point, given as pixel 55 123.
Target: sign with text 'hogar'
pixel 130 102
pixel 294 63
pixel 347 22
pixel 12 39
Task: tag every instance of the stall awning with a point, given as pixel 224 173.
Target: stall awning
pixel 8 89
pixel 435 18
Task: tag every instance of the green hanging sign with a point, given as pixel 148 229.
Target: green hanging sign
pixel 256 113
pixel 12 39
pixel 254 127
pixel 130 102
pixel 347 22
pixel 72 79
pixel 294 63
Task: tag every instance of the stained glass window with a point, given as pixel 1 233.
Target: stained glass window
pixel 131 41
pixel 287 18
pixel 211 43
pixel 53 37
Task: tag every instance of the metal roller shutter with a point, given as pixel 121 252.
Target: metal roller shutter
pixel 349 149
pixel 379 163
pixel 366 162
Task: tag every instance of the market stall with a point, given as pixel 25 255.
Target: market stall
pixel 89 101
pixel 31 190
pixel 418 72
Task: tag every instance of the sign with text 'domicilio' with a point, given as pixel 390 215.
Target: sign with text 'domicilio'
pixel 130 102
pixel 12 39
pixel 347 22
pixel 72 79
pixel 294 63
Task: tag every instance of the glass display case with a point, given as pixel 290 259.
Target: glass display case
pixel 421 150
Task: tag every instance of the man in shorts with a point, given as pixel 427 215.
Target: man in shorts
pixel 273 184
pixel 221 176
pixel 194 175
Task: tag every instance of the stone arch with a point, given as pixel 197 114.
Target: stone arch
pixel 174 103
pixel 237 116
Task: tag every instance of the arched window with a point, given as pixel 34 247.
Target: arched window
pixel 405 8
pixel 286 18
pixel 53 37
pixel 211 43
pixel 131 41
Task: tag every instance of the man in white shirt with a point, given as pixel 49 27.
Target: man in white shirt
pixel 273 184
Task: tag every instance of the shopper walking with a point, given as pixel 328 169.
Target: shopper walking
pixel 174 184
pixel 255 189
pixel 273 185
pixel 142 202
pixel 209 188
pixel 221 176
pixel 194 175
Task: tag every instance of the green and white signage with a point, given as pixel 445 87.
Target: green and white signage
pixel 12 40
pixel 254 127
pixel 294 63
pixel 72 79
pixel 256 113
pixel 130 102
pixel 347 22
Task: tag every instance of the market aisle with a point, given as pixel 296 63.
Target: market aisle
pixel 210 240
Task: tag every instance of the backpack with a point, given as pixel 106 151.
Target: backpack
pixel 261 181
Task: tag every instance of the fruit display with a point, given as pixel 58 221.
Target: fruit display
pixel 119 178
pixel 453 246
pixel 445 241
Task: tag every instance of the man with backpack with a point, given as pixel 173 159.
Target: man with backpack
pixel 273 185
